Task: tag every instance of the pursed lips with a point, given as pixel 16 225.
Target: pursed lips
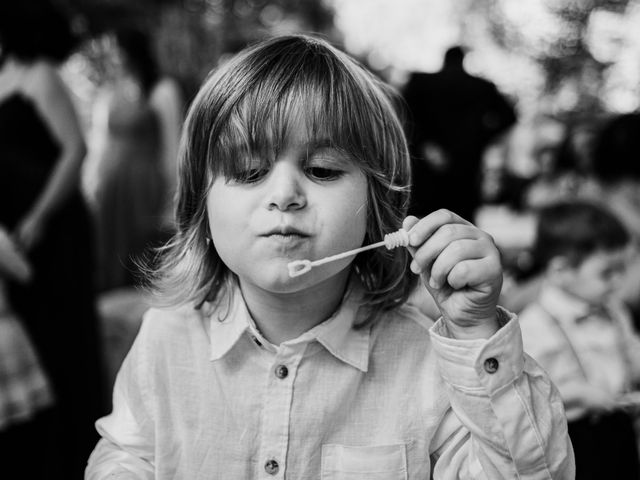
pixel 287 238
pixel 286 232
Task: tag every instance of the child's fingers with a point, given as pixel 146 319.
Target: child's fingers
pixel 427 226
pixel 444 237
pixel 409 222
pixel 454 254
pixel 470 273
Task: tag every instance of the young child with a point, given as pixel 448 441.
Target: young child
pixel 293 151
pixel 583 336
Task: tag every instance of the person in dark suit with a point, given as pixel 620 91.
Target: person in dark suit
pixel 453 117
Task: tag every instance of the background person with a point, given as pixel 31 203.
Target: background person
pixel 453 117
pixel 41 153
pixel 132 171
pixel 581 333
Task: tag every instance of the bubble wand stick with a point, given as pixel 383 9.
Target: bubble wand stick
pixel 391 241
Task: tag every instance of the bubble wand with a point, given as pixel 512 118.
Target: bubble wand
pixel 391 241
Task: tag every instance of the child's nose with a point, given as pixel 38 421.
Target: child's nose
pixel 285 190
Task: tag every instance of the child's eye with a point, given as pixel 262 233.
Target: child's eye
pixel 324 173
pixel 251 175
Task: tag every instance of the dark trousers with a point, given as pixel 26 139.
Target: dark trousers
pixel 605 447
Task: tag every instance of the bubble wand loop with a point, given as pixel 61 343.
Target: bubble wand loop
pixel 391 241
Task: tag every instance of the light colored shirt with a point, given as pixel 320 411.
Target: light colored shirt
pixel 577 345
pixel 201 395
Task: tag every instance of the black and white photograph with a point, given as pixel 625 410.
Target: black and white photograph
pixel 320 239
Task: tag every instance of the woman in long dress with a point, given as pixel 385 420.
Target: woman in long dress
pixel 134 145
pixel 41 153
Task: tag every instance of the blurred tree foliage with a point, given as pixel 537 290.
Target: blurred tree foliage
pixel 191 36
pixel 561 49
pixel 541 52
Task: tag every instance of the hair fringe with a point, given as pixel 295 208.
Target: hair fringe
pixel 247 105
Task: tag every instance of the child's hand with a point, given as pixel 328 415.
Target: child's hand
pixel 460 266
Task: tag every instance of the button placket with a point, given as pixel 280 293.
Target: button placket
pixel 276 415
pixel 491 365
pixel 272 467
pixel 281 371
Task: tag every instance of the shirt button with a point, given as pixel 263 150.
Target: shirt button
pixel 282 371
pixel 491 365
pixel 271 467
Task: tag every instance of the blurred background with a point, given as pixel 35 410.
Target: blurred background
pixel 566 67
pixel 573 55
pixel 564 57
pixel 537 101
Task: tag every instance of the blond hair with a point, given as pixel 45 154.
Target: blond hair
pixel 245 107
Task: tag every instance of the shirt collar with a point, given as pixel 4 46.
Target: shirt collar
pixel 338 334
pixel 229 318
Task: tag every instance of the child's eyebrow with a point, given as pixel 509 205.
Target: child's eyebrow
pixel 320 143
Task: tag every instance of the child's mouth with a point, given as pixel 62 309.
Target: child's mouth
pixel 286 232
pixel 287 237
pixel 287 240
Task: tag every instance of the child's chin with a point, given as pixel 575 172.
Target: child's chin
pixel 280 282
pixel 283 284
pixel 277 280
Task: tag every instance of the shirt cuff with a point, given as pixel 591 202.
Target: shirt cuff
pixel 480 365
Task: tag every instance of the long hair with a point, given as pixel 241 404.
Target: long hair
pixel 246 107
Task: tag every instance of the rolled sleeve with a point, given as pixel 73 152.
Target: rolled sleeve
pixel 506 401
pixel 481 365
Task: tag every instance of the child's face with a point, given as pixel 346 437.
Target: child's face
pixel 310 203
pixel 598 276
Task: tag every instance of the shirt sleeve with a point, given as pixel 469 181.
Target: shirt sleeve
pixel 630 341
pixel 125 451
pixel 506 418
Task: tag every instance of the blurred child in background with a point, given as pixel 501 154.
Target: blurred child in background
pixel 582 335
